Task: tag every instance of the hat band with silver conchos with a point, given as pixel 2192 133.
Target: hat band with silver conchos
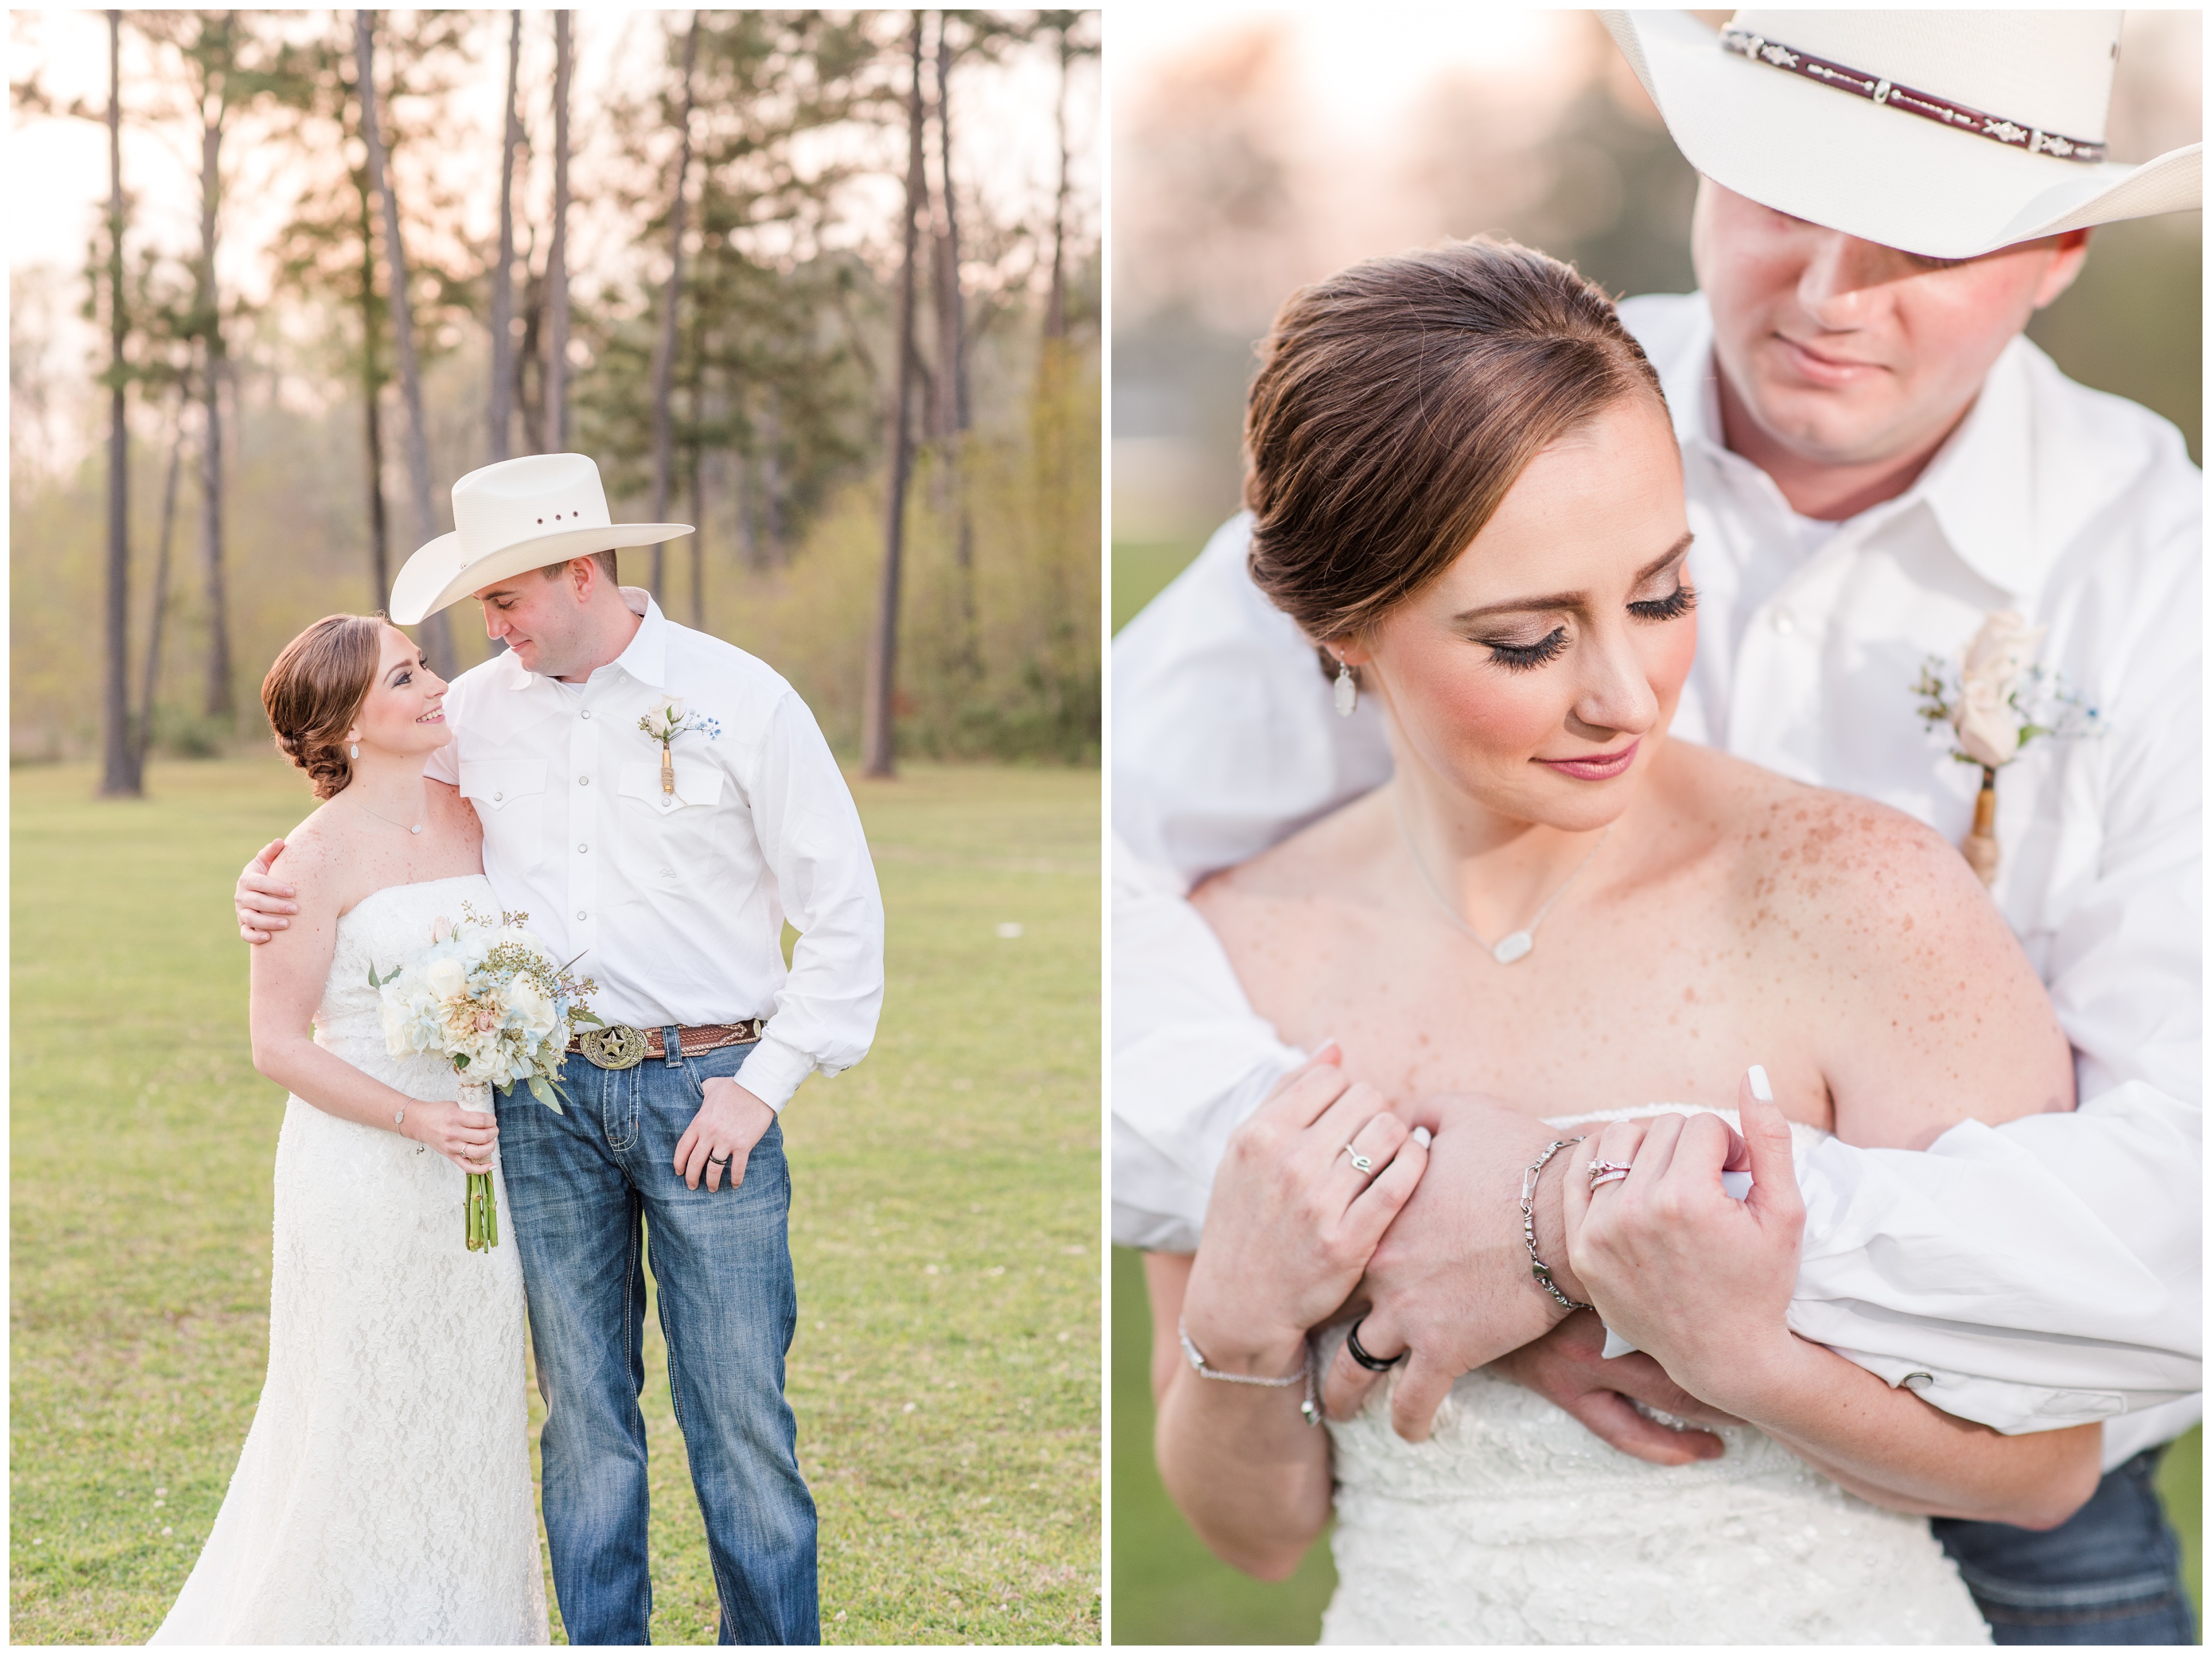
pixel 1956 116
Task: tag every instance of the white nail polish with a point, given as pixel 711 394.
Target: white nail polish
pixel 1323 1045
pixel 1421 1137
pixel 1759 1088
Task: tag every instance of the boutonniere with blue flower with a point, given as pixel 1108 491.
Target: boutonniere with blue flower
pixel 664 724
pixel 1996 700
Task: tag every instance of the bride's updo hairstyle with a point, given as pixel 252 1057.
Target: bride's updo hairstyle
pixel 1396 403
pixel 314 690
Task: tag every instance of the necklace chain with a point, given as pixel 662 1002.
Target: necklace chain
pixel 416 827
pixel 1519 943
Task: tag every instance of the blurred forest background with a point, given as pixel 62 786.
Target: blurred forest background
pixel 1254 152
pixel 826 285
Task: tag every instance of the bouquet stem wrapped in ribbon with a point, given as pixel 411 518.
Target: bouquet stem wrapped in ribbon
pixel 489 999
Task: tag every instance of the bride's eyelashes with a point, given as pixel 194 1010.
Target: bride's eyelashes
pixel 1526 657
pixel 1672 607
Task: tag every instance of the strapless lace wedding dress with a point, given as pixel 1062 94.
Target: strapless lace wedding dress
pixel 1512 1525
pixel 384 1494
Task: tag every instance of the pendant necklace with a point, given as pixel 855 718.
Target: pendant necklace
pixel 1522 942
pixel 381 816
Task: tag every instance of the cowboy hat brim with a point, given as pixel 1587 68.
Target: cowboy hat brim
pixel 1877 173
pixel 436 577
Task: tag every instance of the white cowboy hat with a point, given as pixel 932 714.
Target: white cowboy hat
pixel 1946 133
pixel 516 515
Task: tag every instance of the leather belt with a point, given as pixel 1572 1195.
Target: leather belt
pixel 618 1046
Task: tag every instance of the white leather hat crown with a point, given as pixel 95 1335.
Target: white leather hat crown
pixel 1946 133
pixel 517 515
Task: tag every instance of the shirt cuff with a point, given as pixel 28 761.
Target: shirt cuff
pixel 774 1071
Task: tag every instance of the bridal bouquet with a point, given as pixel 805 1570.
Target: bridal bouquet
pixel 487 999
pixel 1997 701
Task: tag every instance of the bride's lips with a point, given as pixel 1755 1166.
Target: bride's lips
pixel 1824 369
pixel 1598 767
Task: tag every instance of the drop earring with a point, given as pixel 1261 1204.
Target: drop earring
pixel 354 751
pixel 1348 689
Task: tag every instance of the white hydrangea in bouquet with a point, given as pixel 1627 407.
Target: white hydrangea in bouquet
pixel 487 998
pixel 1997 700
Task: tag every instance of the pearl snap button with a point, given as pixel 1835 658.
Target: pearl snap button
pixel 586 712
pixel 1785 622
pixel 496 797
pixel 583 780
pixel 580 913
pixel 581 850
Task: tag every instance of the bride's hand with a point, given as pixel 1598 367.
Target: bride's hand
pixel 1696 1279
pixel 465 1137
pixel 1291 1220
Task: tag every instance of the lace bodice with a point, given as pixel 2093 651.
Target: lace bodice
pixel 383 930
pixel 1513 1523
pixel 383 1495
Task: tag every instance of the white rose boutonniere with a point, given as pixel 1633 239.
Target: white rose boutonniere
pixel 668 720
pixel 1999 700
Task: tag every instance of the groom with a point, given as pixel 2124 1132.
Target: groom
pixel 659 802
pixel 1874 460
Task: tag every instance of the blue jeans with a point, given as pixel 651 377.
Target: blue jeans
pixel 2109 1574
pixel 582 1189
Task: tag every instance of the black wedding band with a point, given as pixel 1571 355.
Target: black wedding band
pixel 1361 1356
pixel 713 1161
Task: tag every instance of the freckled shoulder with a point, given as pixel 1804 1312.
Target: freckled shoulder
pixel 1927 1007
pixel 1321 860
pixel 316 860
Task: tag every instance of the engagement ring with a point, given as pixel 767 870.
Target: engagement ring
pixel 1359 1162
pixel 1606 1172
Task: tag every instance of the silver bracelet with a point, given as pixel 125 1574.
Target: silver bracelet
pixel 1310 1407
pixel 1537 1267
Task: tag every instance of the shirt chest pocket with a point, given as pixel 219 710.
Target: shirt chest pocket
pixel 509 796
pixel 673 839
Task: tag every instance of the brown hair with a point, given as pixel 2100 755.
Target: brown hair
pixel 316 687
pixel 605 560
pixel 1398 400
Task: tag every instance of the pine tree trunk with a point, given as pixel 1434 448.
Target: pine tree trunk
pixel 152 680
pixel 1055 305
pixel 664 356
pixel 218 703
pixel 502 413
pixel 556 261
pixel 436 638
pixel 877 736
pixel 371 395
pixel 119 772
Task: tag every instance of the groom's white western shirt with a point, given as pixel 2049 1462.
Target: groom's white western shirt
pixel 677 904
pixel 2048 1271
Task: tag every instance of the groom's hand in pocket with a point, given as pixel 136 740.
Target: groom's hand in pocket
pixel 1449 1282
pixel 1568 1368
pixel 730 1121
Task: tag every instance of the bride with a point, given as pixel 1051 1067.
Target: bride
pixel 383 1492
pixel 1466 491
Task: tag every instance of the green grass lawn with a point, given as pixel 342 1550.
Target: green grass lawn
pixel 1169 1588
pixel 944 1218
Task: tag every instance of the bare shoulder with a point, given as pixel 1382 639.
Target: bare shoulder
pixel 453 814
pixel 314 859
pixel 1319 861
pixel 1929 1010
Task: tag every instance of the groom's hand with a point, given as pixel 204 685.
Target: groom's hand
pixel 1449 1282
pixel 730 1121
pixel 262 900
pixel 1567 1367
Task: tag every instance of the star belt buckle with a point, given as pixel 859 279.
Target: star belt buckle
pixel 616 1046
